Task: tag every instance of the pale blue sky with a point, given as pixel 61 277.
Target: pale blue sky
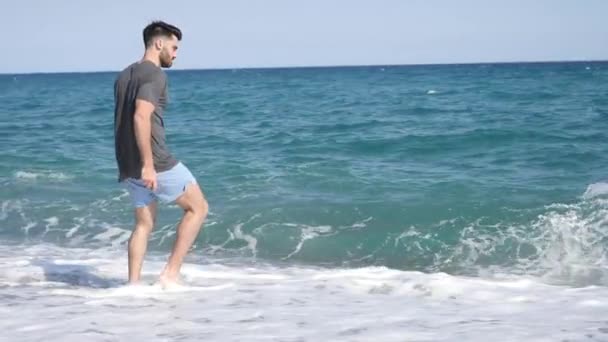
pixel 85 35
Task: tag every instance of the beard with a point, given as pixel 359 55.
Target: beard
pixel 165 60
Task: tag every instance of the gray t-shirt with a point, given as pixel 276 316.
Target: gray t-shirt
pixel 146 81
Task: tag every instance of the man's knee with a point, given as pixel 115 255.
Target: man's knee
pixel 144 224
pixel 200 205
pixel 194 201
pixel 145 217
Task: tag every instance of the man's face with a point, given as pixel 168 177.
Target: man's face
pixel 168 51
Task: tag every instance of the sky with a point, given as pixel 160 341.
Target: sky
pixel 93 35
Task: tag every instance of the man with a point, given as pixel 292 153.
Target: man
pixel 146 167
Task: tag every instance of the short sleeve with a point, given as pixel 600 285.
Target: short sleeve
pixel 151 91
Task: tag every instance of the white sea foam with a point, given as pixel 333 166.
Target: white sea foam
pixel 52 293
pixel 29 175
pixel 595 190
pixel 308 233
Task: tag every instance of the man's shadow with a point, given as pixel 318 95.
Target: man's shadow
pixel 76 275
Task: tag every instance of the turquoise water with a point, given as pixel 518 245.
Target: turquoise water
pixel 426 203
pixel 431 168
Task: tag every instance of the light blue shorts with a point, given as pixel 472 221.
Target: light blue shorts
pixel 170 185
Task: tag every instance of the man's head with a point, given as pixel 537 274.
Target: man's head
pixel 162 39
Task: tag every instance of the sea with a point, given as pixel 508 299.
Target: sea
pixel 375 203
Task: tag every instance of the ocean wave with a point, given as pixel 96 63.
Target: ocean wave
pixel 562 242
pixel 50 175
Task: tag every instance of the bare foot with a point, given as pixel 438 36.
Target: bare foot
pixel 168 283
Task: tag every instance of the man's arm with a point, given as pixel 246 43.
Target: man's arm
pixel 143 130
pixel 142 120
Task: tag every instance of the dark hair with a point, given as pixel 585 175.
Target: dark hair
pixel 160 28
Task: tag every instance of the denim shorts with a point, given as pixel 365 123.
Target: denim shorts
pixel 170 185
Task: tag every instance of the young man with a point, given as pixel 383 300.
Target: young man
pixel 146 167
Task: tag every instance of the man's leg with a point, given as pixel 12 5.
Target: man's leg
pixel 195 209
pixel 144 222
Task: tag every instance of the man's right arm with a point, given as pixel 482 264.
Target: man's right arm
pixel 142 120
pixel 147 99
pixel 143 130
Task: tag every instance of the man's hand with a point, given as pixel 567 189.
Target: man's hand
pixel 148 176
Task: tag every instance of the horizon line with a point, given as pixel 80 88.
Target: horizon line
pixel 316 66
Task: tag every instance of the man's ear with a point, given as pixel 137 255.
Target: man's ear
pixel 158 43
